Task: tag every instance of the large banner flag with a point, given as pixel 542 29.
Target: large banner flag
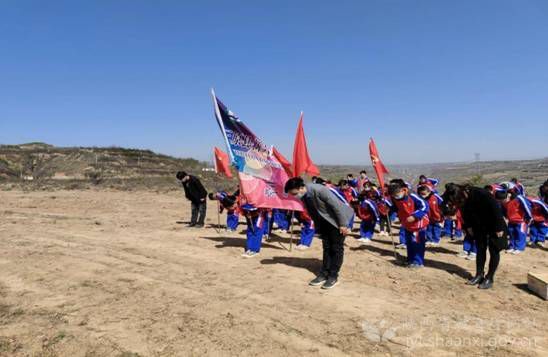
pixel 302 163
pixel 222 162
pixel 379 167
pixel 262 177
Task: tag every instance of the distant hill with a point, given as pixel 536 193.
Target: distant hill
pixel 40 162
pixel 530 172
pixel 43 165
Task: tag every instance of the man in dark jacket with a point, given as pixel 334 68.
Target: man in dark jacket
pixel 484 222
pixel 196 194
pixel 331 216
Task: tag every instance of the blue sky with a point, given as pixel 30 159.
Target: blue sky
pixel 431 81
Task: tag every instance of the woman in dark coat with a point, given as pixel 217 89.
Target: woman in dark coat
pixel 483 220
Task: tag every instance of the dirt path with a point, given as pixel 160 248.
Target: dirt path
pixel 98 273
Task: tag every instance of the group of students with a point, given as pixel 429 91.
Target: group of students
pixel 261 221
pixel 422 221
pixel 526 215
pixel 423 217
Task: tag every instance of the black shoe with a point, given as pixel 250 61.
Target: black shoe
pixel 319 280
pixel 478 279
pixel 191 225
pixel 199 226
pixel 331 282
pixel 486 284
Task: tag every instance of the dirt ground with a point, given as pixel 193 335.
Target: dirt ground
pixel 105 273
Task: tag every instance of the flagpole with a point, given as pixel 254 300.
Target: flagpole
pixel 267 225
pixel 380 174
pixel 221 125
pixel 391 236
pixel 218 217
pixel 291 230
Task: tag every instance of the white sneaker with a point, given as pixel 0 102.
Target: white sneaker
pixel 516 252
pixel 362 239
pixel 401 246
pixel 249 254
pixel 463 255
pixel 509 251
pixel 472 256
pixel 301 247
pixel 540 244
pixel 365 241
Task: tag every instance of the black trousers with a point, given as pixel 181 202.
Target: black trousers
pixel 483 243
pixel 198 213
pixel 333 250
pixel 384 225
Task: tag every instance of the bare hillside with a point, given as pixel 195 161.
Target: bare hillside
pixel 39 166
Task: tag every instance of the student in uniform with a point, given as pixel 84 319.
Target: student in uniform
pixel 428 181
pixel 394 216
pixel 413 215
pixel 518 186
pixel 362 179
pixel 348 192
pixel 539 226
pixel 229 203
pixel 452 226
pixel 434 201
pixel 281 219
pixel 452 214
pixel 494 188
pixel 469 248
pixel 352 182
pixel 307 230
pixel 392 212
pixel 384 206
pixel 269 219
pixel 518 213
pixel 368 213
pixel 255 218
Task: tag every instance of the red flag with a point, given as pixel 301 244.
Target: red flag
pixel 302 164
pixel 379 167
pixel 222 162
pixel 286 164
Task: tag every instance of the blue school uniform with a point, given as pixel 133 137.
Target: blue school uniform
pixel 256 224
pixel 307 233
pixel 232 220
pixel 450 229
pixel 469 245
pixel 280 218
pixel 369 214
